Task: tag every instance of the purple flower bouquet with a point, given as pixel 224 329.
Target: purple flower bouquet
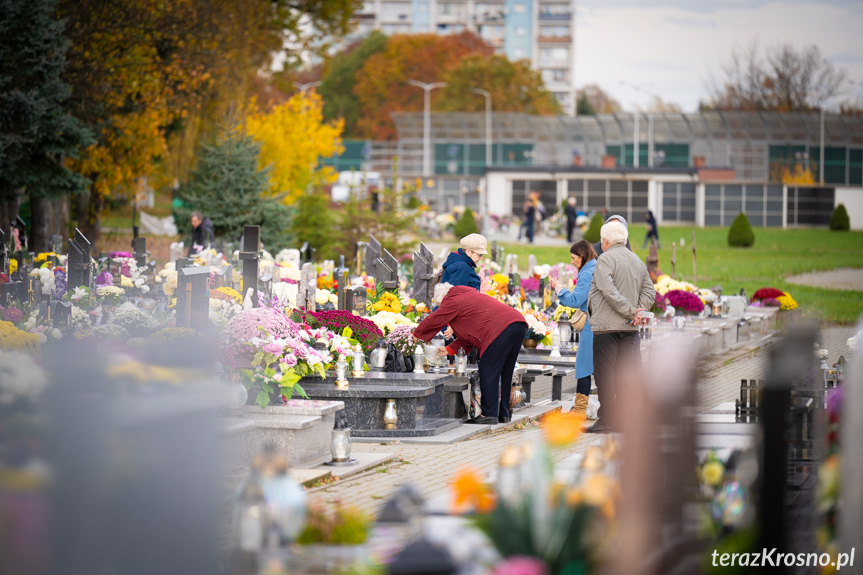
pixel 685 301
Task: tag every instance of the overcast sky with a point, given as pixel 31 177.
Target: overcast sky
pixel 671 47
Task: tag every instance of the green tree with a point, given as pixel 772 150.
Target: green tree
pixel 584 107
pixel 592 233
pixel 740 233
pixel 840 221
pixel 466 224
pixel 313 221
pixel 228 187
pixel 514 87
pixel 337 86
pixel 37 131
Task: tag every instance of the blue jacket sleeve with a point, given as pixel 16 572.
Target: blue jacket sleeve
pixel 578 296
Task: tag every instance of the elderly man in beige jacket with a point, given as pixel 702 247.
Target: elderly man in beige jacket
pixel 621 287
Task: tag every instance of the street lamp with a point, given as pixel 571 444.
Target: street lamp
pixel 483 189
pixel 427 88
pixel 635 138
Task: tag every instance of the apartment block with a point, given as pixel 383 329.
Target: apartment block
pixel 540 31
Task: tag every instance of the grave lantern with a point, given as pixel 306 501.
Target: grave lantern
pixel 358 359
pixel 678 322
pixel 285 498
pixel 341 372
pixel 419 359
pixel 565 329
pixel 555 342
pixel 379 356
pixel 433 355
pixel 340 444
pixel 391 416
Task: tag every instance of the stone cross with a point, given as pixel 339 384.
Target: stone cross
pixel 343 277
pixel 387 272
pixel 494 252
pixel 250 256
pixel 531 263
pixel 193 299
pixel 373 252
pixel 139 245
pixel 424 273
pixel 80 270
pixel 4 254
pixel 307 253
pixel 225 276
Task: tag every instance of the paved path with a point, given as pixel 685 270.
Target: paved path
pixel 840 278
pixel 431 467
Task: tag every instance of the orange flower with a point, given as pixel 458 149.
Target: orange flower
pixel 471 492
pixel 597 490
pixel 562 428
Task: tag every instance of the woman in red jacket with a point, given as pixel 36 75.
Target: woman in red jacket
pixel 482 322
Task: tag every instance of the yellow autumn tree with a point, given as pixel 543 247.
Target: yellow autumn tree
pixel 798 175
pixel 293 136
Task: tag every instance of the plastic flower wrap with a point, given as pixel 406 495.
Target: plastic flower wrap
pixel 538 326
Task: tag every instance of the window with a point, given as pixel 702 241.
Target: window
pixel 554 9
pixel 562 97
pixel 451 9
pixel 519 8
pixel 517 54
pixel 396 8
pixel 549 55
pixel 491 32
pixel 554 31
pixel 520 31
pixel 368 6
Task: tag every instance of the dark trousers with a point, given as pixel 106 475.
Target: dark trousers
pixel 496 365
pixel 612 353
pixel 582 386
pixel 570 227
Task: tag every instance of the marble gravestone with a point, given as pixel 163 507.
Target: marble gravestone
pixel 342 276
pixel 507 266
pixel 139 245
pixel 424 274
pixel 193 297
pixel 80 270
pixel 308 287
pixel 531 263
pixel 250 256
pixel 387 272
pixel 356 299
pixel 373 252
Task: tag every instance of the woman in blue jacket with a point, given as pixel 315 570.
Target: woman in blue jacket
pixel 582 257
pixel 459 269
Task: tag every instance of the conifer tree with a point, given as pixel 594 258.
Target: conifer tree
pixel 37 133
pixel 228 188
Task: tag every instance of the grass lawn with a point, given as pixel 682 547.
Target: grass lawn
pixel 122 218
pixel 776 255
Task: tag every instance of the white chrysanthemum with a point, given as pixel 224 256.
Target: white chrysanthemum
pixel 20 377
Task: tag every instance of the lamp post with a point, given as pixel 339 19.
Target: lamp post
pixel 635 143
pixel 483 189
pixel 427 88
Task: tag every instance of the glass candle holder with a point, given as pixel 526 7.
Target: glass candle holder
pixel 378 357
pixel 358 359
pixel 341 372
pixel 419 359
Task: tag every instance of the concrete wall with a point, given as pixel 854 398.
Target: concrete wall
pixel 852 198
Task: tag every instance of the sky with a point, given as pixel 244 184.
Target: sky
pixel 670 48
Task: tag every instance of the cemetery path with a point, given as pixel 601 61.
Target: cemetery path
pixel 840 278
pixel 431 468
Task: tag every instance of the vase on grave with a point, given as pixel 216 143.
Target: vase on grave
pixel 530 343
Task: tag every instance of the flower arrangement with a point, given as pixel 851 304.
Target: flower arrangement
pixel 362 329
pixel 388 321
pixel 222 311
pixel 79 319
pixel 136 322
pixel 105 278
pixel 682 300
pixel 245 326
pixel 665 284
pixel 4 279
pixel 14 339
pixel 538 326
pixel 402 338
pixel 20 377
pixel 172 334
pixel 530 285
pixel 562 309
pixel 766 293
pixel 535 522
pixel 388 302
pixel 110 331
pixel 112 293
pixel 170 284
pixel 500 279
pixel 46 279
pixel 59 282
pixel 13 314
pixel 229 292
pixel 786 302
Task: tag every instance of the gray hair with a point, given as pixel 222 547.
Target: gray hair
pixel 614 232
pixel 440 291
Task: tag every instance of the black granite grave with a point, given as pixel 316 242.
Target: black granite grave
pixel 80 271
pixel 250 254
pixel 423 275
pixel 373 252
pixel 419 403
pixel 193 297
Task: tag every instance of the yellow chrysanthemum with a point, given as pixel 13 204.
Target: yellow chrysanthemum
pixel 228 291
pixel 562 428
pixel 500 279
pixel 471 492
pixel 786 302
pixel 712 473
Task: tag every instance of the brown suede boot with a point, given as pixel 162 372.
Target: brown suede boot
pixel 580 403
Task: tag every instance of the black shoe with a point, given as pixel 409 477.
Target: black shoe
pixel 599 428
pixel 482 420
pixel 503 419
